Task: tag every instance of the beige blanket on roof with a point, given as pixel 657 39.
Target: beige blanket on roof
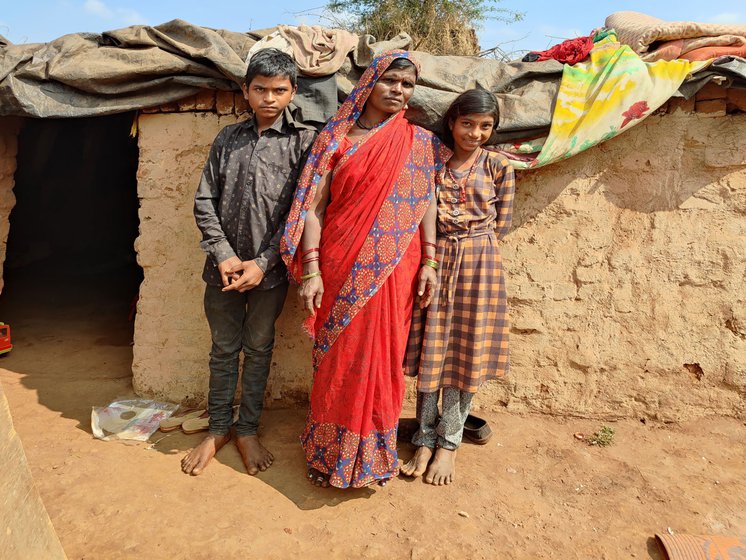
pixel 639 31
pixel 318 51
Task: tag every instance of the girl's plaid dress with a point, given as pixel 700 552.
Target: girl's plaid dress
pixel 461 340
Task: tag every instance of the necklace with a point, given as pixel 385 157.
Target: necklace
pixel 462 185
pixel 360 124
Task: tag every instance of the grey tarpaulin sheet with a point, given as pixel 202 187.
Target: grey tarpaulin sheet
pixel 90 74
pixel 729 71
pixel 140 66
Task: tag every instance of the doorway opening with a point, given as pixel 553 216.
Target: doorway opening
pixel 71 275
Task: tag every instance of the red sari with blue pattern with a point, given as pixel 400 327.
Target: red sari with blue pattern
pixel 369 258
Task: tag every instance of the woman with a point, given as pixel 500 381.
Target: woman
pixel 352 240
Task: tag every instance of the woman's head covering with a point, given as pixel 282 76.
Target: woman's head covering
pixel 326 144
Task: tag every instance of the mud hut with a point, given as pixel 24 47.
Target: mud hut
pixel 626 263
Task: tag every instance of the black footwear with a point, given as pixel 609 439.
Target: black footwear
pixel 477 430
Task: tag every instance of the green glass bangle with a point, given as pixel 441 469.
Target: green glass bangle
pixel 431 263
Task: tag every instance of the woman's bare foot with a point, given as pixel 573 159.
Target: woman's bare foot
pixel 417 465
pixel 255 456
pixel 443 468
pixel 196 460
pixel 317 478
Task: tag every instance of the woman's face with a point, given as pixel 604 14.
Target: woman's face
pixel 393 90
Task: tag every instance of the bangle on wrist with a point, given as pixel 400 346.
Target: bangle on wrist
pixel 311 275
pixel 304 253
pixel 432 263
pixel 428 244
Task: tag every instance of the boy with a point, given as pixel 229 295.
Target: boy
pixel 241 205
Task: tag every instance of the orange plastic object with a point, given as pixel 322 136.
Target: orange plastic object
pixel 5 345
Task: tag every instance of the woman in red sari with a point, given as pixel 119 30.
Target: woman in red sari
pixel 353 240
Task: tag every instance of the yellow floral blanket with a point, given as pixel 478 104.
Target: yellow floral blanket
pixel 610 92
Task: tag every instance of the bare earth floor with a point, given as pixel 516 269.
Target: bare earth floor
pixel 532 492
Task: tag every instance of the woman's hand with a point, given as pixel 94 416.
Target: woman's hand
pixel 311 292
pixel 428 279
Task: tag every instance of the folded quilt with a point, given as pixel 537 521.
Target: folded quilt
pixel 640 31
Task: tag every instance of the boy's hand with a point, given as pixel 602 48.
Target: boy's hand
pixel 311 292
pixel 428 278
pixel 244 276
pixel 225 268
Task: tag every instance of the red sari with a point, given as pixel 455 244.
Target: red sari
pixel 369 258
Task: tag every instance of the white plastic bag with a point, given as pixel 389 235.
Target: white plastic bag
pixel 131 419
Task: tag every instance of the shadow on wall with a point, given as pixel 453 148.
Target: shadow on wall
pixel 624 275
pixel 675 175
pixel 648 169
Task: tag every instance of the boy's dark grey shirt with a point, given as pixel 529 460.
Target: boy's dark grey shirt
pixel 245 193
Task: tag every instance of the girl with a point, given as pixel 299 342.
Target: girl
pixel 461 339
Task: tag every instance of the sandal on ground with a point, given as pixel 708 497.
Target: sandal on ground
pixel 202 423
pixel 175 422
pixel 477 430
pixel 194 425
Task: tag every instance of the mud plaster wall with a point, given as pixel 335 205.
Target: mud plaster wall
pixel 9 128
pixel 626 272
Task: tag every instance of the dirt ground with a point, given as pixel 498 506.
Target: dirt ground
pixel 532 492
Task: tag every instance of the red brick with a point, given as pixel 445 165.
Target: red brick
pixel 242 106
pixel 172 107
pixel 737 98
pixel 205 100
pixel 681 104
pixel 711 108
pixel 711 91
pixel 224 102
pixel 188 103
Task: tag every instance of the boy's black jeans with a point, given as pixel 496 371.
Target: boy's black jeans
pixel 240 321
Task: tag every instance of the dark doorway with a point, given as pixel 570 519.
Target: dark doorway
pixel 71 277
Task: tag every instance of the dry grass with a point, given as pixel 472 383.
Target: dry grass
pixel 431 31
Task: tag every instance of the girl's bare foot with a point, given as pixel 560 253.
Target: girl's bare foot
pixel 317 478
pixel 196 460
pixel 418 463
pixel 442 470
pixel 255 456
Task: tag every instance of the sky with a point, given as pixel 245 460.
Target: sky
pixel 545 22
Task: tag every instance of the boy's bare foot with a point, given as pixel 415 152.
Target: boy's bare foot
pixel 255 456
pixel 417 465
pixel 443 468
pixel 196 460
pixel 317 478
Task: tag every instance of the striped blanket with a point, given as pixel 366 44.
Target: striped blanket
pixel 641 32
